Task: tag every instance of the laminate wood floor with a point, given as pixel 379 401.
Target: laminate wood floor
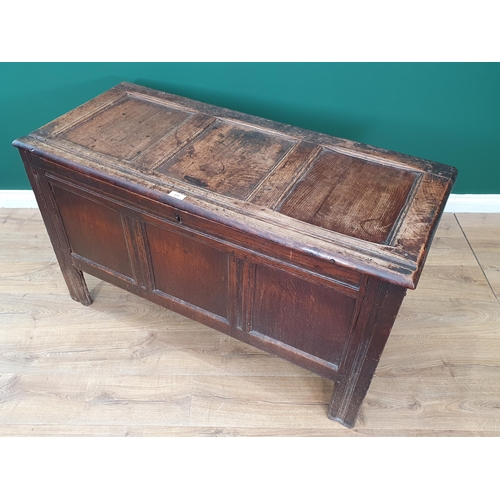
pixel 124 366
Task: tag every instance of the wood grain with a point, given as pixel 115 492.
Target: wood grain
pixel 192 431
pixel 142 123
pixel 483 234
pixel 227 159
pixel 339 205
pixel 269 192
pixel 78 399
pixel 127 367
pixel 81 217
pixel 178 263
pixel 350 196
pixel 318 331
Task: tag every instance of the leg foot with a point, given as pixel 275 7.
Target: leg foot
pixel 344 408
pixel 76 285
pixel 349 425
pixel 361 358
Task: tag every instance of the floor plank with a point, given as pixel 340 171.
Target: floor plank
pixel 192 431
pixel 127 367
pixel 483 234
pixel 92 400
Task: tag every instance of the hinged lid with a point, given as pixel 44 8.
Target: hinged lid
pixel 360 206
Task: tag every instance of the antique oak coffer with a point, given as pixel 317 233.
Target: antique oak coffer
pixel 293 241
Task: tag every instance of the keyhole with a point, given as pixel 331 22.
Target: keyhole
pixel 178 218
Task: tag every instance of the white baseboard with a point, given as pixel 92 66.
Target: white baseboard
pixel 473 203
pixel 461 203
pixel 17 199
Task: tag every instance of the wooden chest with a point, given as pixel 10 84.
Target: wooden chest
pixel 293 241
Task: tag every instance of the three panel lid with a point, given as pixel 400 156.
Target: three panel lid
pixel 359 206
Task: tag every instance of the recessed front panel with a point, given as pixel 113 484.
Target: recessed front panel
pixel 350 196
pixel 189 270
pixel 228 159
pixel 94 231
pixel 126 128
pixel 310 317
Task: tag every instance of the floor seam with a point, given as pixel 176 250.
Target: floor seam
pixel 191 402
pixel 477 260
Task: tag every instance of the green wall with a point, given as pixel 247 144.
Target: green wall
pixel 446 112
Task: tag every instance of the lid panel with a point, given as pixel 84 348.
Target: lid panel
pixel 126 128
pixel 228 159
pixel 350 196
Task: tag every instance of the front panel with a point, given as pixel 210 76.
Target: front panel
pixel 189 270
pixel 299 315
pixel 94 231
pixel 312 318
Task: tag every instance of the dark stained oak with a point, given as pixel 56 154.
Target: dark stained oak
pixel 350 196
pixel 189 270
pixel 273 187
pixel 293 241
pixel 141 125
pixel 227 159
pixel 315 319
pixel 94 230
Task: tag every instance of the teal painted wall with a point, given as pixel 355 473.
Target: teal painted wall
pixel 446 112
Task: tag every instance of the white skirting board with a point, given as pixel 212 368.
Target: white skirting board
pixel 459 203
pixel 473 203
pixel 17 199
